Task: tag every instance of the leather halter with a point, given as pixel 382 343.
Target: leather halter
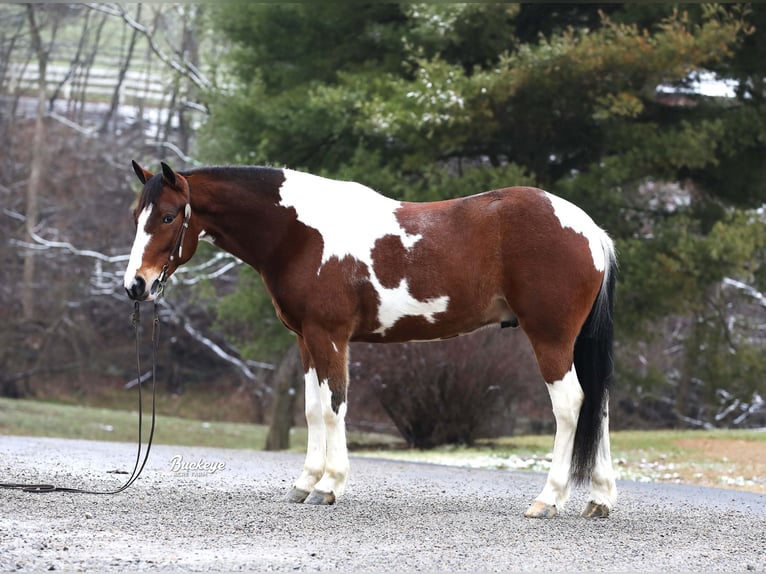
pixel 158 287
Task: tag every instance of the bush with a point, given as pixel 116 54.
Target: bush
pixel 446 392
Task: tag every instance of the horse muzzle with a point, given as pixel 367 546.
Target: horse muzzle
pixel 136 290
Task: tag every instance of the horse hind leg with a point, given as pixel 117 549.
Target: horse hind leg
pixel 566 397
pixel 583 456
pixel 603 491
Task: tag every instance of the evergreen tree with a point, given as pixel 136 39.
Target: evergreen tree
pixel 595 103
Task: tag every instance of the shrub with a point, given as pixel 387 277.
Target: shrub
pixel 445 392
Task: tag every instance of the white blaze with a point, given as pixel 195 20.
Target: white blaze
pixel 139 246
pixel 351 218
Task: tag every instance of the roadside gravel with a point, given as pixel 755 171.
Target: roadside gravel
pixel 230 514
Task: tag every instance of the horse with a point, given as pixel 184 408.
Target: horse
pixel 344 263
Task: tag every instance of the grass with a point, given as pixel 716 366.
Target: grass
pixel 719 458
pixel 40 418
pixel 735 459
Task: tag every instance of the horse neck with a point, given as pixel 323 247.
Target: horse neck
pixel 240 213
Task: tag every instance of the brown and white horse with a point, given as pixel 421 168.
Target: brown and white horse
pixel 344 263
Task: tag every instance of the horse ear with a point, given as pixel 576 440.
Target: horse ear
pixel 168 173
pixel 142 174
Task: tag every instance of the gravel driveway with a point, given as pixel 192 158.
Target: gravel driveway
pixel 229 514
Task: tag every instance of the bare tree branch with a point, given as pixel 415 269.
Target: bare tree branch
pixel 106 282
pixel 88 132
pixel 243 366
pixel 43 243
pixel 123 70
pixel 183 66
pixel 221 353
pixel 759 297
pixel 175 149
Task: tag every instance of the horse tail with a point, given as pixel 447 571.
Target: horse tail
pixel 595 369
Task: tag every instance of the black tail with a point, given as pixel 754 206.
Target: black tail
pixel 595 369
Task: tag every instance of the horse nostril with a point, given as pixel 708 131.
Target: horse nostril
pixel 137 289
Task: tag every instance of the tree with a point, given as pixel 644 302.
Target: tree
pixel 595 103
pixel 35 184
pixel 285 387
pixel 124 66
pixel 76 345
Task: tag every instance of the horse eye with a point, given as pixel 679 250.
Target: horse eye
pixel 168 219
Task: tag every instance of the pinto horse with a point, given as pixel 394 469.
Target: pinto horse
pixel 343 263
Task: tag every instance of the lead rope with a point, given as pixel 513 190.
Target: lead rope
pixel 139 465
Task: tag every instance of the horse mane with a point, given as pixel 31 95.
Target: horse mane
pixel 245 175
pixel 239 173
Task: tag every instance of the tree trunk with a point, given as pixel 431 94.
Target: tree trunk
pixel 80 88
pixel 37 168
pixel 74 65
pixel 121 77
pixel 691 358
pixel 286 381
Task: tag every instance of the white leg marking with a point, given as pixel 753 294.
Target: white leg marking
pixel 566 397
pixel 603 486
pixel 317 446
pixel 336 466
pixel 139 246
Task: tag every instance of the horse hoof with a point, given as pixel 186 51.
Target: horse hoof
pixel 593 510
pixel 320 498
pixel 541 510
pixel 297 495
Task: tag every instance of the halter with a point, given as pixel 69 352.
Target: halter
pixel 159 285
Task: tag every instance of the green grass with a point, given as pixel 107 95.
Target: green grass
pixel 732 459
pixel 39 418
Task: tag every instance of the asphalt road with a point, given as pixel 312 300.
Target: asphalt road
pixel 230 514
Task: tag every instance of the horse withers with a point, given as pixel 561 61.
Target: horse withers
pixel 344 263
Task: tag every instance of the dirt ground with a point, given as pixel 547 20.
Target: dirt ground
pixel 395 517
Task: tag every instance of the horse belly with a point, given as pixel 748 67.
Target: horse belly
pixel 401 315
pixel 446 283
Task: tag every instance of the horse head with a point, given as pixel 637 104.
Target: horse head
pixel 162 216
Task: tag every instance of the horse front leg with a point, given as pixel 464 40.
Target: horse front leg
pixel 333 482
pixel 316 449
pixel 324 476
